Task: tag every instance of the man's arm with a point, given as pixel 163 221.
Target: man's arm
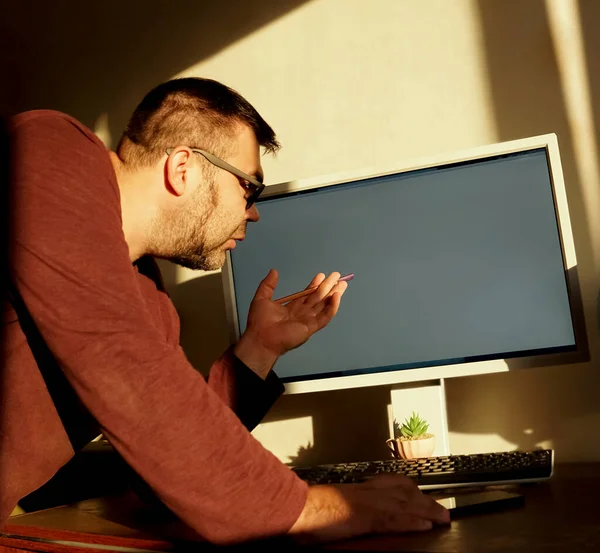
pixel 71 265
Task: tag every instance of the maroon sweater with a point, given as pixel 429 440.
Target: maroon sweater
pixel 115 334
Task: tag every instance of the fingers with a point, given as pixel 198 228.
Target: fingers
pixel 329 309
pixel 330 306
pixel 406 492
pixel 315 282
pixel 426 507
pixel 423 506
pixel 323 289
pixel 266 288
pixel 339 288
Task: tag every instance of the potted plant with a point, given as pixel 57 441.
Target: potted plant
pixel 411 439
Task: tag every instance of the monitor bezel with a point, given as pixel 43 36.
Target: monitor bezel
pixel 549 142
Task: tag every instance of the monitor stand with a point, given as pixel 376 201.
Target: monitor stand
pixel 428 400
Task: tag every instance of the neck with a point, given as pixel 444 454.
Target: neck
pixel 136 207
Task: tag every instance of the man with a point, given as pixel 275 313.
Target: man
pixel 87 223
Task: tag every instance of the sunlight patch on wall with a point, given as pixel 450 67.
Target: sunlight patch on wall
pixel 183 274
pixel 289 440
pixel 462 443
pixel 467 442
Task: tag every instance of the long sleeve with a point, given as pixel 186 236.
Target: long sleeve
pixel 244 391
pixel 71 265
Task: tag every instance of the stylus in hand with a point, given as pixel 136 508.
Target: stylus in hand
pixel 308 291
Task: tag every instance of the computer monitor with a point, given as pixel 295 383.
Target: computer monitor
pixel 464 264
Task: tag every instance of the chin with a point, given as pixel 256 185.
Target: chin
pixel 213 262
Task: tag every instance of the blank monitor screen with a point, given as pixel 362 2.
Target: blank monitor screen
pixel 452 264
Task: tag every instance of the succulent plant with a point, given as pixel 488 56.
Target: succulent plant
pixel 412 427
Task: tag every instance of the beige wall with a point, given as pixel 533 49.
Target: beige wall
pixel 348 84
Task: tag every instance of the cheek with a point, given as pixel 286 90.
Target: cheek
pixel 225 222
pixel 232 208
pixel 231 195
pixel 228 210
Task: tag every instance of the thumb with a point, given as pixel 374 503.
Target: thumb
pixel 267 287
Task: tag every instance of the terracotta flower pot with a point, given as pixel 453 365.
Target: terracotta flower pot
pixel 403 448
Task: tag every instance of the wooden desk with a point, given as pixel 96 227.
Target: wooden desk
pixel 559 515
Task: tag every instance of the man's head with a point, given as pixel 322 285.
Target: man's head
pixel 200 206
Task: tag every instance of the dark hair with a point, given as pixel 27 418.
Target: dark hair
pixel 191 111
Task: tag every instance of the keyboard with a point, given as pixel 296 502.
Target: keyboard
pixel 453 471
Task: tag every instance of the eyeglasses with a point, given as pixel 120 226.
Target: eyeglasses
pixel 252 186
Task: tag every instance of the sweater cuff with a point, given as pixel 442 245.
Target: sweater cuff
pixel 253 395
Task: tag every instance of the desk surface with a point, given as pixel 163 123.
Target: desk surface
pixel 559 515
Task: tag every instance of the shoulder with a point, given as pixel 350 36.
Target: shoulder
pixel 47 117
pixel 54 154
pixel 53 126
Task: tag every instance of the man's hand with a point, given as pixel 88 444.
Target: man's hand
pixel 274 329
pixel 386 504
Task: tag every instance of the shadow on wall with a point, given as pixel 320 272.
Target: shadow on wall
pixel 201 307
pixel 524 407
pixel 556 404
pixel 348 425
pixel 87 59
pixel 527 95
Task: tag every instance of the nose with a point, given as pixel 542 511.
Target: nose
pixel 252 214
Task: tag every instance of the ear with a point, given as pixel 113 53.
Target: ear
pixel 178 169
